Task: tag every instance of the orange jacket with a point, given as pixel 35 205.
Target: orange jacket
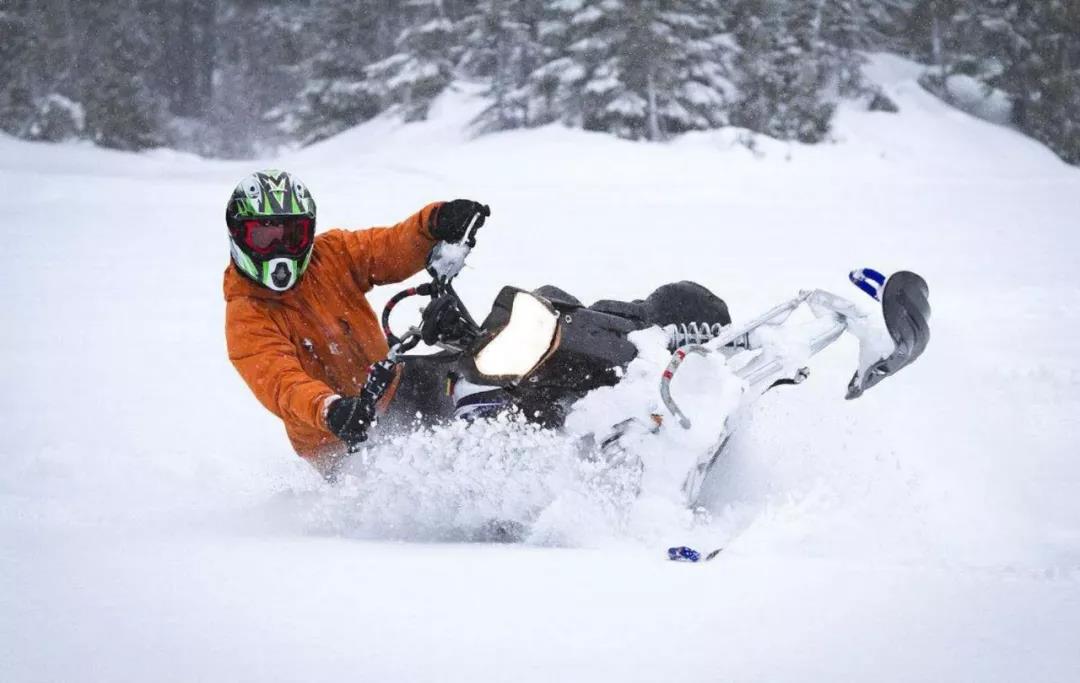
pixel 299 348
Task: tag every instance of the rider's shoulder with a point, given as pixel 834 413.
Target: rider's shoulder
pixel 334 237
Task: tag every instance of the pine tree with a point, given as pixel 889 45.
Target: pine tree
pixel 883 24
pixel 783 73
pixel 338 94
pixel 935 30
pixel 502 47
pixel 1030 49
pixel 1040 68
pixel 16 96
pixel 422 66
pixel 121 110
pixel 695 68
pixel 843 31
pixel 550 90
pixel 809 67
pixel 642 69
pixel 183 72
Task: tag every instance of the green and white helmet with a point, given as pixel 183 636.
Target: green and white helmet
pixel 271 221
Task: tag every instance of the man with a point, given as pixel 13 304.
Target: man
pixel 299 328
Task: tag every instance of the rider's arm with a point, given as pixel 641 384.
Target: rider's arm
pixel 379 256
pixel 267 361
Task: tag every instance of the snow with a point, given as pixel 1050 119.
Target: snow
pixel 155 525
pixel 968 94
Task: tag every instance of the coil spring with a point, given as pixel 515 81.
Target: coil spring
pixel 682 334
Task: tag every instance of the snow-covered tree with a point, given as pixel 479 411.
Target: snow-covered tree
pixel 121 109
pixel 206 73
pixel 782 71
pixel 934 30
pixel 350 35
pixel 549 90
pixel 502 47
pixel 843 30
pixel 422 65
pixel 188 32
pixel 1030 49
pixel 692 76
pixel 882 24
pixel 1039 68
pixel 56 118
pixel 16 49
pixel 642 69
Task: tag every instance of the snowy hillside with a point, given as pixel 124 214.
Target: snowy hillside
pixel 155 525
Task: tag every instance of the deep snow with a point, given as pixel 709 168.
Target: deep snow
pixel 155 525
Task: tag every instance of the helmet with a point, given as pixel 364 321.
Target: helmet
pixel 271 220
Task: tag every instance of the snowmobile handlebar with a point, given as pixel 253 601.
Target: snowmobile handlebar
pixel 444 322
pixel 444 262
pixel 396 343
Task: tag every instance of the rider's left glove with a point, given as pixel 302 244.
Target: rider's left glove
pixel 456 219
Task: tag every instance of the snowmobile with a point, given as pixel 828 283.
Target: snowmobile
pixel 537 353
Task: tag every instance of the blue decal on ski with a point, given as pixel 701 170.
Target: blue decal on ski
pixel 869 281
pixel 683 554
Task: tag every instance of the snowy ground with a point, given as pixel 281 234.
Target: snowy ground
pixel 154 524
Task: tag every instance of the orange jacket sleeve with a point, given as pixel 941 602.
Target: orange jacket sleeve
pixel 267 361
pixel 380 256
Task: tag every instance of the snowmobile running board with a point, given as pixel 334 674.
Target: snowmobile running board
pixel 905 308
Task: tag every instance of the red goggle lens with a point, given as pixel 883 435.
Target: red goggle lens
pixel 292 235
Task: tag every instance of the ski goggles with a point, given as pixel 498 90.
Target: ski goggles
pixel 282 234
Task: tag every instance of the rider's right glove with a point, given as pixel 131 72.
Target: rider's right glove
pixel 452 220
pixel 349 418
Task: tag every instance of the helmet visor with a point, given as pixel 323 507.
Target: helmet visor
pixel 289 235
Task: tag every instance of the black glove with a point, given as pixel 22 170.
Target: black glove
pixel 349 418
pixel 452 220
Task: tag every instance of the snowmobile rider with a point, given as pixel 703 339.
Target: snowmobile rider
pixel 298 326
